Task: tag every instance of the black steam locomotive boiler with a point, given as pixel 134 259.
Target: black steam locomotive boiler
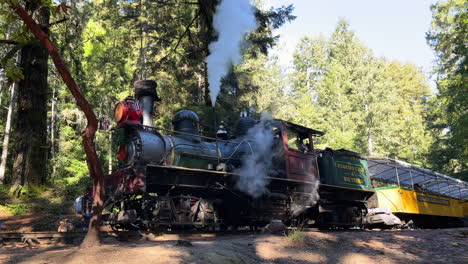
pixel 265 170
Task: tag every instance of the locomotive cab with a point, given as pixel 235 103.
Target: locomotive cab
pixel 299 154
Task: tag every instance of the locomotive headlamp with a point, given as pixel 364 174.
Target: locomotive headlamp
pixel 128 110
pixel 120 112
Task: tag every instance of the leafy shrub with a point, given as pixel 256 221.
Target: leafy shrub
pixel 17 209
pixel 31 192
pixel 51 206
pixel 70 188
pixel 4 190
pixel 296 238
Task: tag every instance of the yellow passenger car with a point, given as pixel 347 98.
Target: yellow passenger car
pixel 400 200
pixel 465 212
pixel 417 195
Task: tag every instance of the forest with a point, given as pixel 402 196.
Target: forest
pixel 363 102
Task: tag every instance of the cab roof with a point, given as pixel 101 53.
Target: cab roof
pixel 301 129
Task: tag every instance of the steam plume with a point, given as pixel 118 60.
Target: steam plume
pixel 257 165
pixel 232 20
pixel 309 197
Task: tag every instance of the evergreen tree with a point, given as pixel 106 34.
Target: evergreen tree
pixel 31 121
pixel 448 37
pixel 363 103
pixel 408 134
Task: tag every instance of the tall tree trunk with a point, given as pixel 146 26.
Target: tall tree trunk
pixel 370 146
pixel 6 138
pixel 3 84
pixel 207 10
pixel 52 131
pixel 200 87
pixel 110 152
pixel 3 80
pixel 340 104
pixel 206 96
pixel 30 164
pixel 92 160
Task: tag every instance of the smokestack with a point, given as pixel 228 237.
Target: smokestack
pixel 145 93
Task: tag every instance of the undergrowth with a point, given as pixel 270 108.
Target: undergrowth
pixel 16 209
pixel 296 238
pixel 38 200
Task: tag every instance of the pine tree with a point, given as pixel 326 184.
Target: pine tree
pixel 448 37
pixel 363 103
pixel 31 121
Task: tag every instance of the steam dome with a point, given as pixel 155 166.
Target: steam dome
pixel 186 121
pixel 244 124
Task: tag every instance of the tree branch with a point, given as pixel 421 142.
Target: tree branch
pixel 9 41
pixel 92 160
pixel 10 55
pixel 58 21
pixel 180 38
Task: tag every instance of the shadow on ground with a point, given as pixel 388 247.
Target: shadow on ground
pixel 410 246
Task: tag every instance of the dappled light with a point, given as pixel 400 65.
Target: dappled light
pixel 231 131
pixel 405 246
pixel 279 248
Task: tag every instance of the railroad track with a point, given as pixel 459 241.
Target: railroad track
pixel 49 234
pixel 173 235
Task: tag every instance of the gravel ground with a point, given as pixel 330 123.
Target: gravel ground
pixel 393 246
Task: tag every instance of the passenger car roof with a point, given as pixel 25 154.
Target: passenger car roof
pixel 406 174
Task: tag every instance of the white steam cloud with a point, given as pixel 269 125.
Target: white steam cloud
pixel 232 20
pixel 257 164
pixel 308 198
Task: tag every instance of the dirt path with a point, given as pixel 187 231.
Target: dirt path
pixel 406 246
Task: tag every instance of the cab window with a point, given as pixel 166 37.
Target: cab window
pixel 297 141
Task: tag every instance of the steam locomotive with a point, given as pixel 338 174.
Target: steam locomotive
pixel 265 170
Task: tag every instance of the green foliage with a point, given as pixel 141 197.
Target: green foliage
pixel 261 81
pixel 449 117
pixel 31 191
pixel 263 38
pixel 296 238
pixel 51 206
pixel 16 209
pixel 363 103
pixel 4 189
pixel 338 85
pixel 110 44
pixel 40 199
pixel 71 189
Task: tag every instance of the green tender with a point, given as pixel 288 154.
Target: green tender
pixel 344 168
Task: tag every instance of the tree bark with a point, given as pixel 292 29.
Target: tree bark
pixel 207 10
pixel 92 160
pixel 3 80
pixel 110 152
pixel 30 161
pixel 52 132
pixel 370 146
pixel 6 137
pixel 3 83
pixel 206 97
